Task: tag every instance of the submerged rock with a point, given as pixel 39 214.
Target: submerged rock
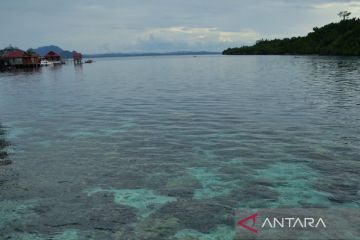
pixel 182 186
pixel 195 214
pixel 11 211
pixel 251 195
pixel 150 228
pixel 157 228
pixel 124 232
pixel 294 184
pixel 69 234
pixel 3 154
pixel 219 233
pixel 344 189
pixel 3 145
pixel 5 162
pixel 212 185
pixel 145 201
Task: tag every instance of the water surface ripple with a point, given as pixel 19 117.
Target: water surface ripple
pixel 167 147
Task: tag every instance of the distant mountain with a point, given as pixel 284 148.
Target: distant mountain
pixel 342 38
pixel 42 51
pixel 148 54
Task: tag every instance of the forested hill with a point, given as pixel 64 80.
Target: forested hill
pixel 342 38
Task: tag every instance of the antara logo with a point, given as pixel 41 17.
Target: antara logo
pixel 288 222
pixel 306 222
pixel 243 221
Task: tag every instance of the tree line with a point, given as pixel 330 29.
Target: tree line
pixel 342 38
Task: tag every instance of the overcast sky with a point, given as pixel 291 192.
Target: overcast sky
pixel 101 26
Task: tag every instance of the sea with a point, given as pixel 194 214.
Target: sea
pixel 168 147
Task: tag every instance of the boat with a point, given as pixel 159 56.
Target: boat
pixel 45 62
pixel 89 61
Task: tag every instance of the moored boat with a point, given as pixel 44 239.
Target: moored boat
pixel 45 62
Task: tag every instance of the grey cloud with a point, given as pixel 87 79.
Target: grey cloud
pixel 125 25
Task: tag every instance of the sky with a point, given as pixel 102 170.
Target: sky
pixel 104 26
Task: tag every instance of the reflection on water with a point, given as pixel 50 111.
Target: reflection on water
pixel 167 147
pixel 16 71
pixel 3 147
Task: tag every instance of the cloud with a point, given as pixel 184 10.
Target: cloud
pixel 160 25
pixel 336 5
pixel 188 38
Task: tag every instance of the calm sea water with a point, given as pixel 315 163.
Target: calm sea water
pixel 167 147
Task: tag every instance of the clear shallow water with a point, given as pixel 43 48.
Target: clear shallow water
pixel 167 147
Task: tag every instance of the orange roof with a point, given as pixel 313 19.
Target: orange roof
pixel 15 54
pixel 52 54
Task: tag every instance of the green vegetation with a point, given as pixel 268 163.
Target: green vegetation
pixel 7 49
pixel 31 51
pixel 342 38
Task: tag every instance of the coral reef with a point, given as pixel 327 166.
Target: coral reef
pixel 145 201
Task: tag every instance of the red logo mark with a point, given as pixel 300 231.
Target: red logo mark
pixel 243 221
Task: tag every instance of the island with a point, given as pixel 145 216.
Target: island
pixel 341 38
